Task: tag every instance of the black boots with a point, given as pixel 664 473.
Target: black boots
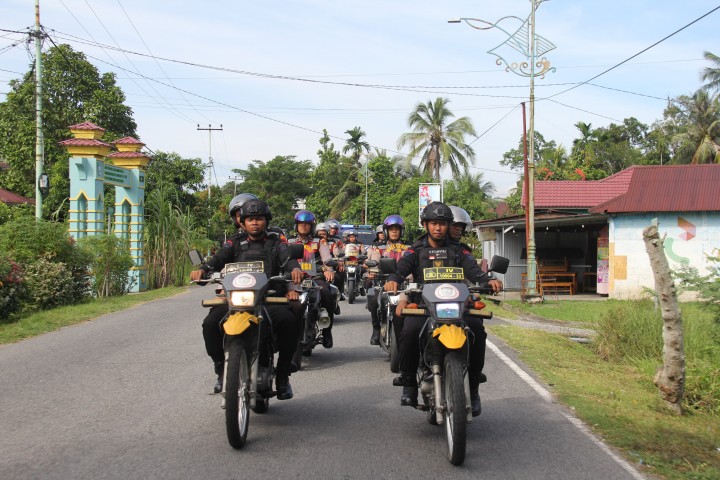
pixel 219 367
pixel 327 340
pixel 282 381
pixel 375 338
pixel 475 380
pixel 410 391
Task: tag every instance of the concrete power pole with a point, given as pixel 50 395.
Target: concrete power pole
pixel 210 129
pixel 39 143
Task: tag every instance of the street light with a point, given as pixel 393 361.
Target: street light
pixel 523 39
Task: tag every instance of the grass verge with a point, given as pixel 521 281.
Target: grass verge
pixel 49 320
pixel 621 404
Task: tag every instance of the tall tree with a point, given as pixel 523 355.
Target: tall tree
pixel 327 178
pixel 695 122
pixel 436 140
pixel 472 193
pixel 281 182
pixel 73 92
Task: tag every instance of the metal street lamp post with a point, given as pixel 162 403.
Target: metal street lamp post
pixel 523 39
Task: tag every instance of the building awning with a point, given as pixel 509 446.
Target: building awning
pixel 546 219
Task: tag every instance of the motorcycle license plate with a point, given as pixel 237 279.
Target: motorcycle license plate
pixel 307 283
pixel 245 267
pixel 443 274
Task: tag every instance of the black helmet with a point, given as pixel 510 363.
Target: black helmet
pixel 436 211
pixel 253 208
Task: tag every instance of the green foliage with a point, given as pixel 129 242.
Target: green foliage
pixel 707 286
pixel 27 239
pixel 630 331
pixel 327 178
pixel 11 287
pixel 110 263
pixel 183 174
pixel 49 284
pixel 73 92
pixel 281 182
pixel 694 125
pixel 472 193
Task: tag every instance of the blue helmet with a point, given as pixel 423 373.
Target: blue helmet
pixel 393 220
pixel 306 216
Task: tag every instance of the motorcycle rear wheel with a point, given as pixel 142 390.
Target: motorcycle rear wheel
pixel 237 395
pixel 351 291
pixel 455 407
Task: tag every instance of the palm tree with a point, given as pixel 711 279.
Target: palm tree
pixel 353 185
pixel 697 119
pixel 711 74
pixel 437 142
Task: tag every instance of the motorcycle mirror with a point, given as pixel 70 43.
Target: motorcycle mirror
pixel 195 258
pixel 388 265
pixel 499 264
pixel 331 263
pixel 371 263
pixel 341 254
pixel 297 251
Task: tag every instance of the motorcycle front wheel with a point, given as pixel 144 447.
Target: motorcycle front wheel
pixel 394 354
pixel 455 407
pixel 237 395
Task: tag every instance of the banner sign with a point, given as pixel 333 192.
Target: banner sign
pixel 428 193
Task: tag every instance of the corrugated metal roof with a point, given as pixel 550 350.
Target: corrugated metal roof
pixel 127 141
pixel 669 188
pixel 13 198
pixel 85 126
pixel 83 142
pixel 580 193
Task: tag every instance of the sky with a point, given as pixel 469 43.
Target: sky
pixel 275 74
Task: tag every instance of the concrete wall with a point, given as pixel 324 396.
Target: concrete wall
pixel 689 237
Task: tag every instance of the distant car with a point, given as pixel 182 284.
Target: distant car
pixel 365 233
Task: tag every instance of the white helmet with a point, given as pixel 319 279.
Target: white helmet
pixel 461 216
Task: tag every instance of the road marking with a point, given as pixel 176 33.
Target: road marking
pixel 547 396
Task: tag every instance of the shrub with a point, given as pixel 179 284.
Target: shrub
pixel 27 239
pixel 109 265
pixel 630 331
pixel 49 284
pixel 11 288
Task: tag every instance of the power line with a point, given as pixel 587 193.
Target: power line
pixel 637 54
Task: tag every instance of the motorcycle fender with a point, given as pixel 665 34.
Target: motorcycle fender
pixel 238 322
pixel 452 336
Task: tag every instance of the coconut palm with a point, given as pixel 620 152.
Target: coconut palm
pixel 697 121
pixel 437 141
pixel 354 184
pixel 711 74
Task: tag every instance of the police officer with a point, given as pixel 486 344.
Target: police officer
pixel 316 253
pixel 436 219
pixel 336 248
pixel 255 244
pixel 393 229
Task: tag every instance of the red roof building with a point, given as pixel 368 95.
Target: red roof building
pixel 14 199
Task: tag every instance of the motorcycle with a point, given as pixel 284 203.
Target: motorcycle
pixel 385 313
pixel 315 319
pixel 248 340
pixel 445 299
pixel 353 269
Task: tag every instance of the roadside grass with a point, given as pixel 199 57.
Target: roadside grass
pixel 564 310
pixel 49 320
pixel 609 383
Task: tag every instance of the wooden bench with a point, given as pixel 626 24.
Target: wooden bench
pixel 555 287
pixel 561 282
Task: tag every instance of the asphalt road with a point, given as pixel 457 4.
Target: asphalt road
pixel 128 395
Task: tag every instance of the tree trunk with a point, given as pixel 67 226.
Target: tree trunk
pixel 670 378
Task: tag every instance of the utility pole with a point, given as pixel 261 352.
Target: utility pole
pixel 39 143
pixel 235 180
pixel 210 129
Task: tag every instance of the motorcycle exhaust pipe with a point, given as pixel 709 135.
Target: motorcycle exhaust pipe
pixel 324 319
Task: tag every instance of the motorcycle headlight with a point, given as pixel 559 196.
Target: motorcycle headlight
pixel 447 310
pixel 242 299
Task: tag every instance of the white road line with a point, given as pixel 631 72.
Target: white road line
pixel 547 396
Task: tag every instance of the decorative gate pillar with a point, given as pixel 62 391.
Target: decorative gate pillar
pixel 87 209
pixel 125 170
pixel 130 202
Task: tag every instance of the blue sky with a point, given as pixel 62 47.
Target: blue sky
pixel 371 45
